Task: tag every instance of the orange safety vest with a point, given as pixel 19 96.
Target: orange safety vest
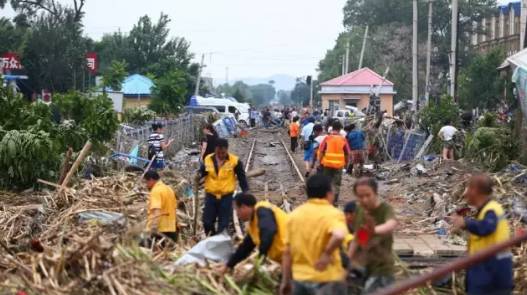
pixel 333 156
pixel 294 129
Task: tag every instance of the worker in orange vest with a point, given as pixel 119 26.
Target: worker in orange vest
pixel 294 132
pixel 334 155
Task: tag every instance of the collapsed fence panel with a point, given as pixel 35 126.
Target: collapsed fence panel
pixel 403 145
pixel 185 130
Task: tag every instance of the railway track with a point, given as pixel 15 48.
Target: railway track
pixel 283 182
pixel 283 185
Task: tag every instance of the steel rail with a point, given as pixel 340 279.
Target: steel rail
pixel 293 161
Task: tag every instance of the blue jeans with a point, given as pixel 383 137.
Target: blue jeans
pixel 217 209
pixel 158 164
pixel 491 277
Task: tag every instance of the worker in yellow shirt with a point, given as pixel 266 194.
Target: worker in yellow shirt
pixel 311 263
pixel 221 170
pixel 266 229
pixel 334 154
pixel 162 205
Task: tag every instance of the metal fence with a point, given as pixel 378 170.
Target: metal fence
pixel 185 130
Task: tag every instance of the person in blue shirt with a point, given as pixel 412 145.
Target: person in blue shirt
pixel 489 227
pixel 356 139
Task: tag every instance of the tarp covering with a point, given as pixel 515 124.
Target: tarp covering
pixel 520 78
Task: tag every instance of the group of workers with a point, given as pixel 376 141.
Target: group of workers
pixel 322 249
pixel 329 151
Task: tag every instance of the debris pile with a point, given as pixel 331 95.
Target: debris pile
pixel 85 241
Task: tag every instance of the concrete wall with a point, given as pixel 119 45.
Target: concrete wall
pixel 131 103
pixel 362 101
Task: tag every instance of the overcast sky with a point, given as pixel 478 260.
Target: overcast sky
pixel 252 38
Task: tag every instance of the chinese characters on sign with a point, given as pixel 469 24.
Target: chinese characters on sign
pixel 10 61
pixel 91 62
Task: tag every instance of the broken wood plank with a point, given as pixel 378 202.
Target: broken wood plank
pixel 421 248
pixel 402 248
pixel 457 250
pixel 439 246
pixel 82 155
pixel 425 146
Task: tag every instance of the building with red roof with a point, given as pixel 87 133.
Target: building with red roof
pixel 354 89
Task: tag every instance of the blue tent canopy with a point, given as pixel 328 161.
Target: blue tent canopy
pixel 137 85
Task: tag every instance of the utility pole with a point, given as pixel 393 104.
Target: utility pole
pixel 311 94
pixel 196 92
pixel 347 56
pixel 428 52
pixel 343 64
pixel 226 75
pixel 453 53
pixel 415 93
pixel 363 47
pixel 523 23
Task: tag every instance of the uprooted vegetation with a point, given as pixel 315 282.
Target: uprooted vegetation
pixel 35 135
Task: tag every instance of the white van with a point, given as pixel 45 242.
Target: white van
pixel 226 106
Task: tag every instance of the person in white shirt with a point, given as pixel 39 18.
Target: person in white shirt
pixel 447 134
pixel 307 143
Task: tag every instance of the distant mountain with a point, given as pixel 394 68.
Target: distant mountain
pixel 282 81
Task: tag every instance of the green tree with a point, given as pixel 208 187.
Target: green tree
pixel 480 84
pixel 114 75
pixel 389 42
pixel 169 93
pixel 301 92
pixel 262 94
pixel 151 49
pixel 54 56
pixel 12 36
pixel 434 116
pixel 284 97
pixel 238 90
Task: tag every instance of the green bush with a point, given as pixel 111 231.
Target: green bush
pixel 491 147
pixel 33 137
pixel 138 116
pixel 93 114
pixel 435 116
pixel 26 156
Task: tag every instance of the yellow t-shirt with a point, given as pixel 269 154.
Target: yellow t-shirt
pixel 163 197
pixel 308 232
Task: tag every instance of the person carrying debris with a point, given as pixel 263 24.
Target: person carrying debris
pixel 446 134
pixel 162 205
pixel 373 229
pixel 220 170
pixel 294 132
pixel 311 263
pixel 356 139
pixel 334 154
pixel 157 145
pixel 493 276
pixel 266 229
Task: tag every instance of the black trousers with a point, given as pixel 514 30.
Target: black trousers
pixel 253 122
pixel 219 210
pixel 294 143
